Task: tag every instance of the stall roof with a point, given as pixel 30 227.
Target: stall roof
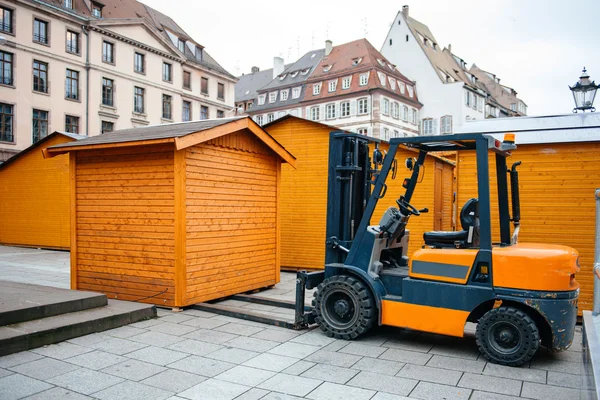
pixel 39 143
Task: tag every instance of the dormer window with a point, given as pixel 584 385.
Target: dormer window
pixel 326 68
pixel 296 92
pixel 316 88
pixel 382 78
pixel 356 61
pixel 294 74
pixel 332 85
pixel 198 53
pixel 68 4
pixel 401 86
pixel 392 83
pixel 261 99
pixel 411 91
pixel 284 94
pixel 97 10
pixel 181 45
pixel 305 71
pixel 346 82
pixel 272 97
pixel 390 66
pixel 363 79
pixel 282 77
pixel 381 62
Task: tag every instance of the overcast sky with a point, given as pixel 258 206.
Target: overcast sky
pixel 538 47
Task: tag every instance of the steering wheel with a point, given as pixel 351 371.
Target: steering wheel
pixel 409 208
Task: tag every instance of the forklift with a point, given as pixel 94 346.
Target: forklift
pixel 520 295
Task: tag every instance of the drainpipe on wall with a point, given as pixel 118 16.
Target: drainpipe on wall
pixel 596 310
pixel 87 79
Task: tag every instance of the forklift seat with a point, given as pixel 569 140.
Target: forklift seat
pixel 469 215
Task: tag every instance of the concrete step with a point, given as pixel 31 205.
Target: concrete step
pixel 23 302
pixel 40 332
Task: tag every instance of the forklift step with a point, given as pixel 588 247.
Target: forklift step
pixel 401 272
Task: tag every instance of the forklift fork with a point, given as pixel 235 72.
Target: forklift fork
pixel 305 315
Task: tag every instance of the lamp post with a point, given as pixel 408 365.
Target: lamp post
pixel 584 92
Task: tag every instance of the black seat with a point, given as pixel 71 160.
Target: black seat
pixel 469 235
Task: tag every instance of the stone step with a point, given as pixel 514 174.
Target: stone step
pixel 40 332
pixel 21 302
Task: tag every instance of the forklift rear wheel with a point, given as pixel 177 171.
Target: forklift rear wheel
pixel 344 307
pixel 507 336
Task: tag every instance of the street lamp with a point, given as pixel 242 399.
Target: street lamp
pixel 584 92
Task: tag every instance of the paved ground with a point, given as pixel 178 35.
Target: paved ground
pixel 198 355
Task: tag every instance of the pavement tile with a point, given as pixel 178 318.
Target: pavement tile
pixel 133 370
pixel 238 329
pixel 96 360
pixel 245 375
pixel 44 368
pixel 125 332
pixel 290 384
pixel 204 323
pixel 332 391
pixel 524 374
pixel 457 364
pixel 60 351
pixel 336 346
pixel 565 380
pixel 89 340
pixel 253 394
pixel 232 355
pixel 132 391
pixel 430 374
pixel 330 373
pixel 195 347
pixel 173 380
pixel 176 318
pixel 492 384
pixel 198 313
pixel 275 335
pixel 378 366
pixel 464 349
pixel 389 396
pixel 209 336
pixel 252 343
pixel 118 346
pixel 163 312
pixel 213 389
pixel 546 392
pixel 408 342
pixel 157 355
pixel 383 383
pixel 157 339
pixel 333 358
pixel 479 395
pixel 298 368
pixel 558 366
pixel 316 337
pixel 280 396
pixel 5 372
pixel 271 362
pixel 296 350
pixel 85 381
pixel 23 357
pixel 18 386
pixel 57 393
pixel 147 323
pixel 202 366
pixel 172 329
pixel 363 350
pixel 570 356
pixel 375 337
pixel 406 356
pixel 435 391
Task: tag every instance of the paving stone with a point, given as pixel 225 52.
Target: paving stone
pixel 565 380
pixel 558 366
pixel 464 349
pixel 389 396
pixel 173 380
pixel 363 350
pixel 330 373
pixel 253 394
pixel 570 356
pixel 316 337
pixel 157 339
pixel 271 362
pixel 298 368
pixel 296 350
pixel 57 393
pixel 275 335
pixel 290 384
pixel 405 356
pixel 524 374
pixel 232 355
pixel 63 350
pixel 18 386
pixel 147 323
pixel 378 366
pixel 118 346
pixel 163 312
pixel 133 370
pixel 430 374
pixel 96 360
pixel 408 343
pixel 176 318
pixel 435 391
pixel 202 366
pixel 198 313
pixel 4 372
pixel 479 395
pixel 457 364
pixel 383 383
pixel 15 359
pixel 209 336
pixel 195 347
pixel 132 391
pixel 245 375
pixel 204 323
pixel 157 355
pixel 332 391
pixel 239 329
pixel 172 329
pixel 88 340
pixel 44 368
pixel 492 384
pixel 125 332
pixel 213 389
pixel 547 392
pixel 333 358
pixel 85 381
pixel 374 337
pixel 252 343
pixel 280 396
pixel 336 346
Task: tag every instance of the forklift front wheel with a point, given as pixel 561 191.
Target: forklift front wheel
pixel 344 307
pixel 507 336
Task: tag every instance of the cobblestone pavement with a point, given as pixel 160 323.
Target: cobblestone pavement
pixel 199 355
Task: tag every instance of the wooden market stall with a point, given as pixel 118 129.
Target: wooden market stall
pixel 558 177
pixel 34 210
pixel 175 214
pixel 304 193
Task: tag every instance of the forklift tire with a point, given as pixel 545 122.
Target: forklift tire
pixel 344 306
pixel 507 336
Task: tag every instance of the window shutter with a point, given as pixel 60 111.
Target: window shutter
pixel 368 105
pixel 353 107
pixel 435 127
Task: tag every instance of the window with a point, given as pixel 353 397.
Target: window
pixel 198 53
pixel 203 112
pixel 296 92
pixel 40 76
pixel 396 133
pixel 386 134
pixel 138 100
pixel 345 109
pixel 6 68
pixel 480 104
pixel 356 61
pixel 72 85
pixel 71 124
pixel 181 45
pixel 187 111
pixel 108 91
pixel 270 118
pixel 40 125
pixel 187 80
pixel 204 85
pixel 316 88
pixel 40 31
pixel 396 110
pixel 167 106
pixel 404 113
pixel 364 79
pixel 362 131
pixel 446 124
pixel 139 63
pixel 220 91
pixel 346 82
pixel 363 106
pixel 107 126
pixel 220 114
pixel 382 77
pixel 6 22
pixel 411 90
pixel 284 94
pixel 475 101
pixel 467 99
pixel 96 10
pixel 413 117
pixel 330 111
pixel 428 126
pixel 332 86
pixel 392 83
pixel 402 87
pixel 314 113
pixel 381 62
pixel 513 106
pixel 272 97
pixel 407 38
pixel 259 119
pixel 386 107
pixel 261 99
pixel 167 72
pixel 6 122
pixel 68 4
pixel 108 52
pixel 72 42
pixel 391 39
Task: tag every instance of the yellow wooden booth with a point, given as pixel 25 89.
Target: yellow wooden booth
pixel 175 214
pixel 34 193
pixel 304 193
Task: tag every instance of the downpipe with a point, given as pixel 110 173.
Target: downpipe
pixel 596 309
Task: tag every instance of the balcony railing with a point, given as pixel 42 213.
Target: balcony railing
pixel 5 27
pixel 40 38
pixel 7 136
pixel 6 80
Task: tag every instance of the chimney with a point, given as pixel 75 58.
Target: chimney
pixel 405 11
pixel 254 70
pixel 328 47
pixel 277 66
pixel 450 48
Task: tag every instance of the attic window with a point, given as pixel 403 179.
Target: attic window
pixel 356 61
pixel 390 66
pixel 326 68
pixel 410 90
pixel 96 10
pixel 381 62
pixel 198 53
pixel 294 74
pixel 313 55
pixel 392 83
pixel 305 71
pixel 282 77
pixel 247 92
pixel 181 45
pixel 68 4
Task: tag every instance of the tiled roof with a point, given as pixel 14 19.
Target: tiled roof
pixel 247 85
pixel 501 95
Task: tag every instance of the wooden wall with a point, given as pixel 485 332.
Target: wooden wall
pixel 557 184
pixel 34 205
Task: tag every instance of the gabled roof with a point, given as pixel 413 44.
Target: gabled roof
pixel 248 84
pixel 505 97
pixel 39 144
pixel 293 73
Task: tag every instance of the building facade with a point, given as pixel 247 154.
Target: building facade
pixel 85 67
